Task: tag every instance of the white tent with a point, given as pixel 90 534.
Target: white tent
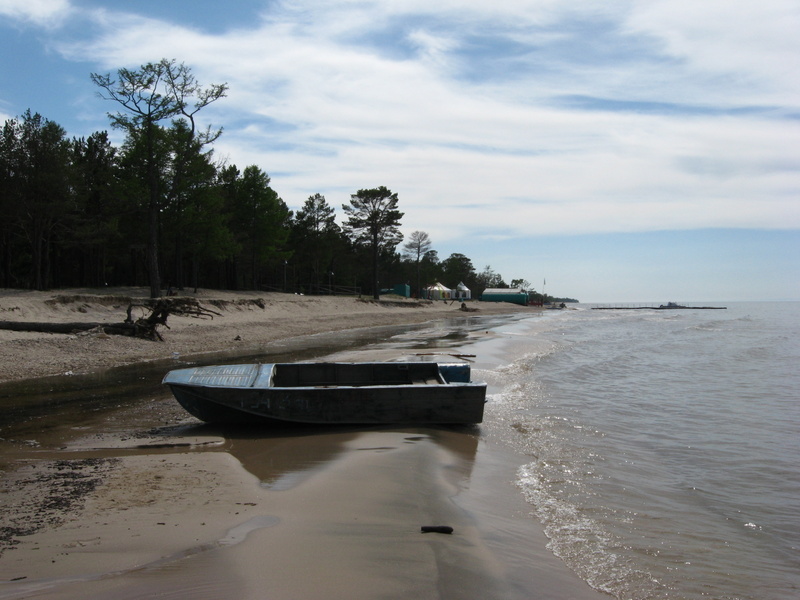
pixel 463 292
pixel 438 292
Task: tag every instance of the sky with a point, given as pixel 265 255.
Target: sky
pixel 616 151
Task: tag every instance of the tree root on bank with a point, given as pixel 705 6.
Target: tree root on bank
pixel 145 327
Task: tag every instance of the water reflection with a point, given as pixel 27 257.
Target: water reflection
pixel 282 458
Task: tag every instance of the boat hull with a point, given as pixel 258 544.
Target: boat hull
pixel 248 394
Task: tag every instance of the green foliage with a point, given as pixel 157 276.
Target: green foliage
pixel 260 224
pixel 36 189
pixel 316 218
pixel 488 278
pixel 373 221
pixel 82 212
pixel 458 268
pixel 194 218
pixel 521 283
pixel 316 242
pixel 98 210
pixel 373 218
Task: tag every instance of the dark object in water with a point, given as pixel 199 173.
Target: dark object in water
pixel 676 306
pixel 331 393
pixel 436 529
pixel 667 306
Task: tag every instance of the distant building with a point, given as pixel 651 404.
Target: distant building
pixel 513 295
pixel 402 289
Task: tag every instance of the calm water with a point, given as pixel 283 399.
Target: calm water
pixel 660 449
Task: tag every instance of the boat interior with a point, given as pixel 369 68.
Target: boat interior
pixel 355 374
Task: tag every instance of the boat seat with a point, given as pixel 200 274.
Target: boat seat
pixel 335 384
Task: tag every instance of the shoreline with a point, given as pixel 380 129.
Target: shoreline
pixel 205 524
pixel 150 502
pixel 247 321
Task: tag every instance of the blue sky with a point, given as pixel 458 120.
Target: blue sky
pixel 623 150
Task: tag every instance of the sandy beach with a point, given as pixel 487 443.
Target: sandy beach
pixel 113 499
pixel 245 321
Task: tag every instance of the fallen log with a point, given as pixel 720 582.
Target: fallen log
pixel 130 329
pixel 48 327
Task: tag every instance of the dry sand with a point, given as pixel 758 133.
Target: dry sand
pixel 114 507
pixel 246 320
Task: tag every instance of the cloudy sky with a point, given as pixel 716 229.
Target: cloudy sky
pixel 622 150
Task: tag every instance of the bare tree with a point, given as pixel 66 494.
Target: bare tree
pixel 418 245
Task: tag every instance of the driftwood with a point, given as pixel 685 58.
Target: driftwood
pixel 48 327
pixel 144 327
pixel 160 309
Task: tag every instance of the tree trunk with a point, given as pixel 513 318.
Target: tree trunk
pixel 376 293
pixel 153 207
pixel 152 253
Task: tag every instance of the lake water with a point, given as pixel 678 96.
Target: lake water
pixel 660 450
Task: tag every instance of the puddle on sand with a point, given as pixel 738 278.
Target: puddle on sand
pixel 240 532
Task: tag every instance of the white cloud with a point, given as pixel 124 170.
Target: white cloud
pixel 367 94
pixel 754 44
pixel 46 13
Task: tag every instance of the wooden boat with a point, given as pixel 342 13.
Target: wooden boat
pixel 330 393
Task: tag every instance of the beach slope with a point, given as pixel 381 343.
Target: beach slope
pixel 245 322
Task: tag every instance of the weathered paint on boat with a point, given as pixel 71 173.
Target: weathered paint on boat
pixel 331 393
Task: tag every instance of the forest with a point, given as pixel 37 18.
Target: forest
pixel 161 211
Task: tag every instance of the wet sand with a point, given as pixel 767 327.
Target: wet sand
pixel 141 500
pixel 342 522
